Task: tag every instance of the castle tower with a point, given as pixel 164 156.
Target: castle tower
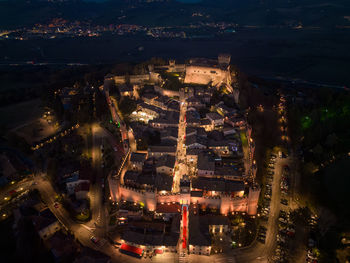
pixel 224 59
pixel 253 199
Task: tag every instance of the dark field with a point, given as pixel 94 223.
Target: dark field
pixel 316 55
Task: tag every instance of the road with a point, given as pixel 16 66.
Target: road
pixel 98 210
pixel 126 133
pixel 117 118
pixel 17 186
pixel 180 164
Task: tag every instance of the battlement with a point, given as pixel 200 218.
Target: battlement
pixel 142 191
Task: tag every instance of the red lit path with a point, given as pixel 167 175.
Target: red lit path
pixel 183 240
pixel 184 227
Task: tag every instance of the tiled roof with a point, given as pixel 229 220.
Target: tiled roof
pixel 138 157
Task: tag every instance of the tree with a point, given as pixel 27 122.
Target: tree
pixel 127 106
pixel 102 109
pixel 18 142
pixel 331 140
pixel 301 215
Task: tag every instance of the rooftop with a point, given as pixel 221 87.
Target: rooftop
pixel 138 157
pixel 205 162
pixel 168 208
pixel 199 232
pixel 192 139
pixel 214 116
pixel 166 160
pixel 219 185
pixel 162 149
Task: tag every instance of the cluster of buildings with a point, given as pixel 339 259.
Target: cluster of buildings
pixel 34 215
pixel 194 143
pixel 59 28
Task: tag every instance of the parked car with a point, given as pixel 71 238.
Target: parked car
pixel 94 239
pixel 284 201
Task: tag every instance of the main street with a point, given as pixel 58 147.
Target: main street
pixel 180 164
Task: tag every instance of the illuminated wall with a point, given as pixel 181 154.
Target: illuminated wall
pixel 205 75
pixel 225 203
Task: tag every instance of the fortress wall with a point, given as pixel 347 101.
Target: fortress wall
pixel 168 198
pixel 134 195
pixel 113 188
pixel 209 202
pixel 135 79
pixel 233 205
pixel 226 204
pixel 119 79
pixel 205 75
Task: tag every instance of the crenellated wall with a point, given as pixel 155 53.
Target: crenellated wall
pixel 226 203
pixel 129 194
pixel 166 198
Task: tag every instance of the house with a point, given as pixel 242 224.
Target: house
pixel 153 236
pixel 201 132
pixel 229 130
pixel 195 142
pixel 215 119
pixel 149 97
pixel 192 155
pixel 46 224
pixel 168 210
pixel 170 134
pixel 163 182
pixel 137 160
pixel 130 177
pixel 220 147
pixel 228 172
pixel 160 150
pixel 205 165
pixel 166 164
pixel 192 118
pixel 81 190
pixel 217 223
pixel 161 102
pixel 201 91
pixel 223 110
pixel 199 238
pixel 158 242
pixel 71 185
pixel 171 119
pixel 217 186
pixel 236 121
pixel 194 102
pixel 206 124
pixel 148 111
pixel 173 105
pixel 190 131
